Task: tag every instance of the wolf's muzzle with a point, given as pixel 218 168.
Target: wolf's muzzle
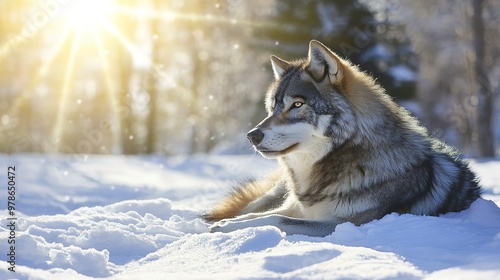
pixel 255 136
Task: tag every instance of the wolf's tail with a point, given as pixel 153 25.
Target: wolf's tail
pixel 233 204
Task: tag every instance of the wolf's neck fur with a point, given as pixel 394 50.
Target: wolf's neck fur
pixel 299 165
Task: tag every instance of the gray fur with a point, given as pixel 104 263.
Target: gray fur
pixel 349 153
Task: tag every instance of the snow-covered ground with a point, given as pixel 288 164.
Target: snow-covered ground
pixel 117 217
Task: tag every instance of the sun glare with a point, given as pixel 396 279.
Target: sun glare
pixel 88 14
pixel 85 35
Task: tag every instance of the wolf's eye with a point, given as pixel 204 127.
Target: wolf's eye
pixel 297 104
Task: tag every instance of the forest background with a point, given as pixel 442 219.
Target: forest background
pixel 180 77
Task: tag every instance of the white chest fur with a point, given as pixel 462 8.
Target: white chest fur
pixel 303 161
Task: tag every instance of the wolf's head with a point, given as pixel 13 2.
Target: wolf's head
pixel 308 106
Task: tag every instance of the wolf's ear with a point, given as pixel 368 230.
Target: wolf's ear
pixel 323 63
pixel 279 66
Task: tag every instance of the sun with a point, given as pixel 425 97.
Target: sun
pixel 89 14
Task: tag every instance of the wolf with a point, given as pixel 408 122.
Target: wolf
pixel 347 153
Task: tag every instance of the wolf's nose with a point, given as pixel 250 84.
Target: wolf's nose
pixel 255 136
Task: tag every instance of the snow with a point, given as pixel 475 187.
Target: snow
pixel 402 73
pixel 378 51
pixel 137 217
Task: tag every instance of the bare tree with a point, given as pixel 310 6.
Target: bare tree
pixel 485 95
pixel 456 60
pixel 152 87
pixel 125 112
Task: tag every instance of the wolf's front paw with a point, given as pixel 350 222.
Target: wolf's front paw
pixel 218 226
pixel 214 228
pixel 226 226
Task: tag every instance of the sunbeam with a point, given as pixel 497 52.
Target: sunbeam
pixel 66 88
pixel 170 16
pixel 110 88
pixel 131 47
pixel 56 50
pixel 5 48
pixel 42 71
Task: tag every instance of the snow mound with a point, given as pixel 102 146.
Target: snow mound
pixel 93 241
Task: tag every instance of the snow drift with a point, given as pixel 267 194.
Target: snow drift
pixel 123 217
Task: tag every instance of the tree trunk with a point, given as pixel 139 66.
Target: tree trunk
pixel 125 112
pixel 152 87
pixel 127 141
pixel 484 94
